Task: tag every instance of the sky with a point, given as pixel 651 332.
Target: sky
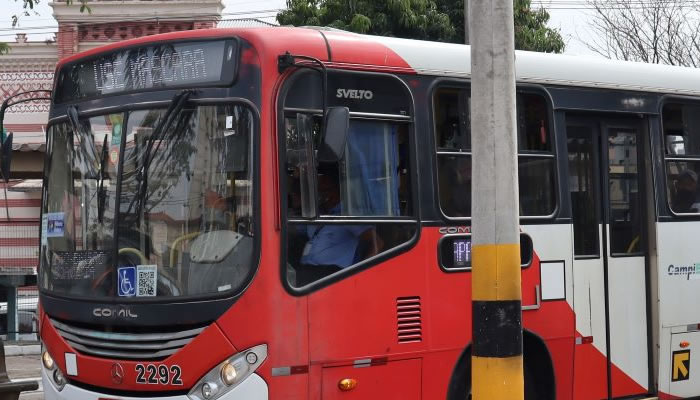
pixel 567 15
pixel 570 17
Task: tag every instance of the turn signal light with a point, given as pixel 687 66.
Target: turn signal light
pixel 347 384
pixel 684 344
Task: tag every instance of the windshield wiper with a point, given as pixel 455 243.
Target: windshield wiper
pixel 87 152
pixel 170 116
pixel 101 195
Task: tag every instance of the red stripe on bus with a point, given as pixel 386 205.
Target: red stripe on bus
pixel 664 396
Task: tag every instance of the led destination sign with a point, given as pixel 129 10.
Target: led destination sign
pixel 164 65
pixel 462 253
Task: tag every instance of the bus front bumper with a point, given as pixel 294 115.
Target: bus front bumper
pixel 252 388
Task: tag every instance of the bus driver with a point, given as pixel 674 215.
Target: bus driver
pixel 332 247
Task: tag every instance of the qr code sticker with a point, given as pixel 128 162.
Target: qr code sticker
pixel 146 280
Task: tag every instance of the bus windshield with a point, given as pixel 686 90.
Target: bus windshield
pixel 149 204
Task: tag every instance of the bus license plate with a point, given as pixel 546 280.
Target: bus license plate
pixel 158 374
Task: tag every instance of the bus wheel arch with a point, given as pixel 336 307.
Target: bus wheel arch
pixel 538 370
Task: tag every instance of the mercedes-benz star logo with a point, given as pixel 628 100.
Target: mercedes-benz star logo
pixel 117 373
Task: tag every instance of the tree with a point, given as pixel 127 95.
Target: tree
pixel 660 32
pixel 438 20
pixel 417 19
pixel 531 31
pixel 28 7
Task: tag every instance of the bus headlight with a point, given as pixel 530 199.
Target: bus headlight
pixel 227 375
pixel 47 360
pixel 55 375
pixel 209 390
pixel 58 378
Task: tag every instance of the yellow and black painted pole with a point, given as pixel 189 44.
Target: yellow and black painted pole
pixel 497 337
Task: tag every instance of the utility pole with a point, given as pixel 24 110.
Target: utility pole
pixel 466 21
pixel 497 348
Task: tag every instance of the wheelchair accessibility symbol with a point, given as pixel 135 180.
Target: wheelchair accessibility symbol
pixel 126 281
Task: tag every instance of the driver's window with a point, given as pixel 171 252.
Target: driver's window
pixel 370 184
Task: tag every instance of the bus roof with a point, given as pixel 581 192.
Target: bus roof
pixel 443 59
pixel 554 69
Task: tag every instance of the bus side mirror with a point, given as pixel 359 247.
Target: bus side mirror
pixel 335 135
pixel 6 157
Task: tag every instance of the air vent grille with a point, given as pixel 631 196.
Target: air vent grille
pixel 408 315
pixel 125 346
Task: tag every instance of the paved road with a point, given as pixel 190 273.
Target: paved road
pixel 26 368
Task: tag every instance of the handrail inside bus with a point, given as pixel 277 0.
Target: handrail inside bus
pixel 134 251
pixel 173 251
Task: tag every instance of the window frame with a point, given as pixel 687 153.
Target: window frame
pixel 666 158
pixel 284 221
pixel 524 154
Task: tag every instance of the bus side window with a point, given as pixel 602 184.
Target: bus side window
pixel 681 126
pixel 370 182
pixel 536 160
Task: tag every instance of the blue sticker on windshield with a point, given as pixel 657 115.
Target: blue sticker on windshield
pixel 55 224
pixel 126 282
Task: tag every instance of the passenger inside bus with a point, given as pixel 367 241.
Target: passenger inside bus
pixel 681 124
pixel 685 198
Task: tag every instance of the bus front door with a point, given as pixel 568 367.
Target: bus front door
pixel 606 182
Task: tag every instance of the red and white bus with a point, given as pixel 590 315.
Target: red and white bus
pixel 284 213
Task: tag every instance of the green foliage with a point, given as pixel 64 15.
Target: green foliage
pixel 4 48
pixel 531 31
pixel 416 19
pixel 437 20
